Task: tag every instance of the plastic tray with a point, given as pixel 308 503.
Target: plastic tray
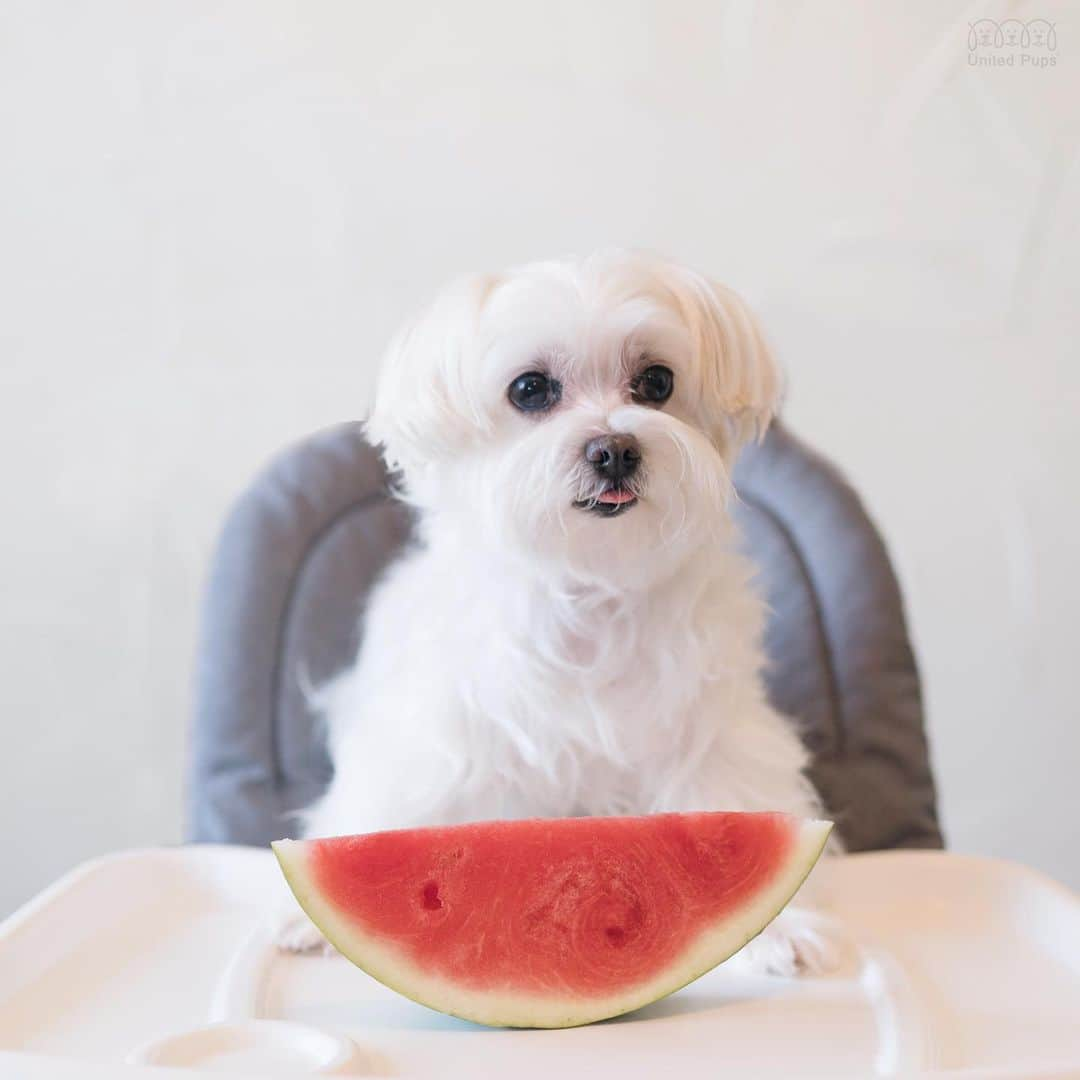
pixel 953 964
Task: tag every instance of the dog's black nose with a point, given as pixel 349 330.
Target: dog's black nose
pixel 613 456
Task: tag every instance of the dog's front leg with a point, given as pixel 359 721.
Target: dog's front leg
pixel 378 784
pixel 759 765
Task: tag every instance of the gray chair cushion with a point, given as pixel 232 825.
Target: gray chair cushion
pixel 840 661
pixel 302 547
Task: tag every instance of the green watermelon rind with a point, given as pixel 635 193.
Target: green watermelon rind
pixel 497 1008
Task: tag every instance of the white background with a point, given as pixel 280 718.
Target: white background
pixel 212 216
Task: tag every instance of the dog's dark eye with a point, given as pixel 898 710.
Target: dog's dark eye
pixel 654 385
pixel 534 392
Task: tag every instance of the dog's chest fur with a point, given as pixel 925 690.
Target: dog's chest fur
pixel 574 697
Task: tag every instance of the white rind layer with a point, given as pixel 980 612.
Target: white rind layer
pixel 518 1009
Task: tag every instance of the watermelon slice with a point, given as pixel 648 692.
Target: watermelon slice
pixel 551 923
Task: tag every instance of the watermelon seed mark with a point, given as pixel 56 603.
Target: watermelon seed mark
pixel 430 896
pixel 616 935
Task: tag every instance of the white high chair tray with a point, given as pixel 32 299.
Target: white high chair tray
pixel 956 965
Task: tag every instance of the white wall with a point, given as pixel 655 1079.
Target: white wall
pixel 212 215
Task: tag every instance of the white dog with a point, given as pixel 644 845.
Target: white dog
pixel 573 631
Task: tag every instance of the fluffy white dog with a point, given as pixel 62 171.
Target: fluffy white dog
pixel 573 631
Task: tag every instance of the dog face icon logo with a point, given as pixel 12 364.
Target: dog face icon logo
pixel 988 37
pixel 984 34
pixel 1014 33
pixel 1042 34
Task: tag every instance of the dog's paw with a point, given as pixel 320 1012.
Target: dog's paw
pixel 796 943
pixel 298 934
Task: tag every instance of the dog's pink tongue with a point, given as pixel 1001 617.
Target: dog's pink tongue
pixel 615 497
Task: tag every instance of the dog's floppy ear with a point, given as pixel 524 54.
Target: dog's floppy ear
pixel 424 406
pixel 741 383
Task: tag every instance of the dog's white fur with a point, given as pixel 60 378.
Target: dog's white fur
pixel 527 657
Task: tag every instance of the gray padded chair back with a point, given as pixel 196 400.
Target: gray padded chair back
pixel 302 547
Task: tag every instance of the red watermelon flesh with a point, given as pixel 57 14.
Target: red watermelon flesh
pixel 552 922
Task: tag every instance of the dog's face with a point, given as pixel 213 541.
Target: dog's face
pixel 1012 31
pixel 581 413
